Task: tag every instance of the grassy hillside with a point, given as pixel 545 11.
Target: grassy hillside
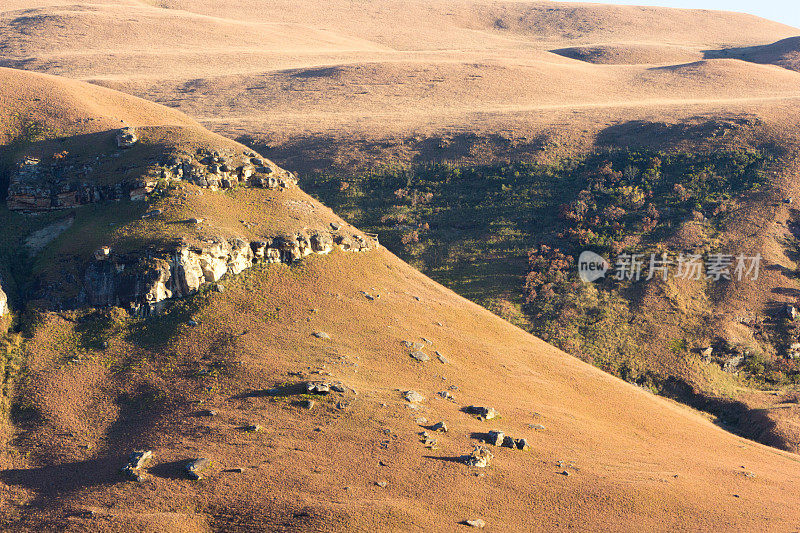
pixel 508 236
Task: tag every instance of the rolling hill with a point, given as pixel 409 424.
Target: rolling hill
pixel 185 290
pixel 217 375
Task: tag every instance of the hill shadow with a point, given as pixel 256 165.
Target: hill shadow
pixel 656 135
pixel 731 415
pixel 52 480
pixel 780 53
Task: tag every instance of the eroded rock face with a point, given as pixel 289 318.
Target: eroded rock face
pixel 69 182
pixel 143 282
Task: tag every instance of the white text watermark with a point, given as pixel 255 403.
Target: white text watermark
pixel 634 267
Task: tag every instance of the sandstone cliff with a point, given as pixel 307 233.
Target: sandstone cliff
pixel 143 282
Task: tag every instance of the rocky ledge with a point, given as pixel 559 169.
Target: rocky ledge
pixel 68 182
pixel 143 283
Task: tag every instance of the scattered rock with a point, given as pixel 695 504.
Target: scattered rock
pixel 207 412
pixel 480 457
pixel 441 427
pixel 420 356
pixel 427 440
pixel 442 359
pixel 413 396
pixel 382 484
pixel 195 220
pixel 237 470
pixel 487 413
pixel 136 462
pixel 789 311
pixel 252 428
pixel 521 444
pixel 446 395
pixel 565 473
pixel 152 214
pixel 321 335
pixel 508 441
pixel 537 427
pixel 195 468
pixel 732 364
pixel 477 523
pixel 192 323
pixel 318 387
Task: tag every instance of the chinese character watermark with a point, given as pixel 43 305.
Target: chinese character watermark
pixel 633 267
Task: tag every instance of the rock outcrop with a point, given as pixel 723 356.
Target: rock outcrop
pixel 3 303
pixel 142 283
pixel 126 138
pixel 66 183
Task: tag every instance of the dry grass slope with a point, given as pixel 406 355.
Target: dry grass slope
pixel 634 460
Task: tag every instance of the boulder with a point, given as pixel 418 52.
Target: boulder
pixel 413 396
pixel 486 413
pixel 126 138
pixel 420 356
pixel 495 438
pixel 195 468
pixel 136 461
pixel 440 427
